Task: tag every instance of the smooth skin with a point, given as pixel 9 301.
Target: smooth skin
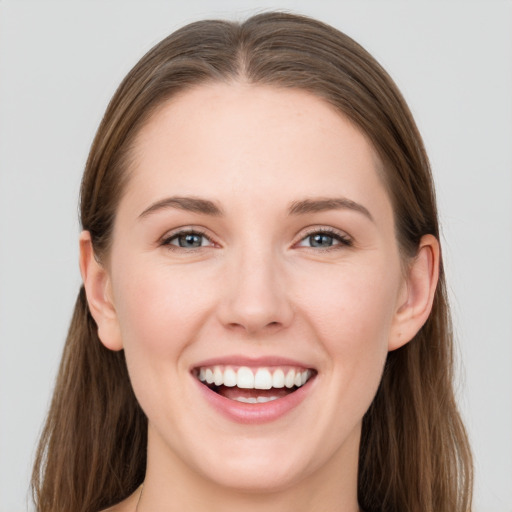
pixel 326 287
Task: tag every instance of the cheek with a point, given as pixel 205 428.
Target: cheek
pixel 351 312
pixel 161 311
pixel 354 305
pixel 159 307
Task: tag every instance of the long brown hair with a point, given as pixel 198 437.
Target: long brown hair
pixel 414 453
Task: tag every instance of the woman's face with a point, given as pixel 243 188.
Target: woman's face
pixel 255 233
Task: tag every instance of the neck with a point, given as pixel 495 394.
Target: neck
pixel 172 485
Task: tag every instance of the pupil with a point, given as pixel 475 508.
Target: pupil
pixel 321 240
pixel 190 240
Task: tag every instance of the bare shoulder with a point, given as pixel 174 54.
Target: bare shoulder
pixel 127 505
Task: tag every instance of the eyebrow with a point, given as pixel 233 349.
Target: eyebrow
pixel 190 204
pixel 207 207
pixel 327 203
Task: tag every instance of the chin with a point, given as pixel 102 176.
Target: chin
pixel 257 475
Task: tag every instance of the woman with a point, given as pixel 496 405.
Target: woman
pixel 263 323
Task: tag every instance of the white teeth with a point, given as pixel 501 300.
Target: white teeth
pixel 263 379
pixel 247 378
pixel 259 400
pixel 229 378
pixel 278 379
pixel 218 377
pixel 289 380
pixel 263 399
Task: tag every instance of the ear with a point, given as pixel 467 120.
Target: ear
pixel 417 294
pixel 99 294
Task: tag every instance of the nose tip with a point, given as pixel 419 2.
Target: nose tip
pixel 256 300
pixel 252 321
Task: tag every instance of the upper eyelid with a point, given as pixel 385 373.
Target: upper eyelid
pixel 322 229
pixel 185 229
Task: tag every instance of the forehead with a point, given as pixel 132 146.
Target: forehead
pixel 259 142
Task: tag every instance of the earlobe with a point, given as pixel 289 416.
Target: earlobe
pixel 416 299
pixel 99 294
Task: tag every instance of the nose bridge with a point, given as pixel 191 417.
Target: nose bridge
pixel 256 297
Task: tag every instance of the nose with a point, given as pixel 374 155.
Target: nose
pixel 256 298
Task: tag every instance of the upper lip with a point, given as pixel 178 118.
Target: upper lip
pixel 251 362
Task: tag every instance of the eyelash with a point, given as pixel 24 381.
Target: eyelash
pixel 344 240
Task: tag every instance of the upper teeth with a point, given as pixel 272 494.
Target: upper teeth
pixel 257 378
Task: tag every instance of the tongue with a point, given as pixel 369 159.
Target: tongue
pixel 234 392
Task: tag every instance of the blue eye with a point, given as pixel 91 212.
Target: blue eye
pixel 325 240
pixel 188 240
pixel 321 240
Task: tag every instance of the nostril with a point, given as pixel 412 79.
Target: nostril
pixel 254 327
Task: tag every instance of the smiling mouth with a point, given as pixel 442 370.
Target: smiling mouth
pixel 253 385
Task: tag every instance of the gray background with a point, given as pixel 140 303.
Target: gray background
pixel 60 63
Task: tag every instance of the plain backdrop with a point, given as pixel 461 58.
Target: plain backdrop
pixel 61 61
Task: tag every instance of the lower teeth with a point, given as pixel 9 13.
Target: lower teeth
pixel 259 400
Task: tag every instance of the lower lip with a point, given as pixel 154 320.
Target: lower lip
pixel 258 413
